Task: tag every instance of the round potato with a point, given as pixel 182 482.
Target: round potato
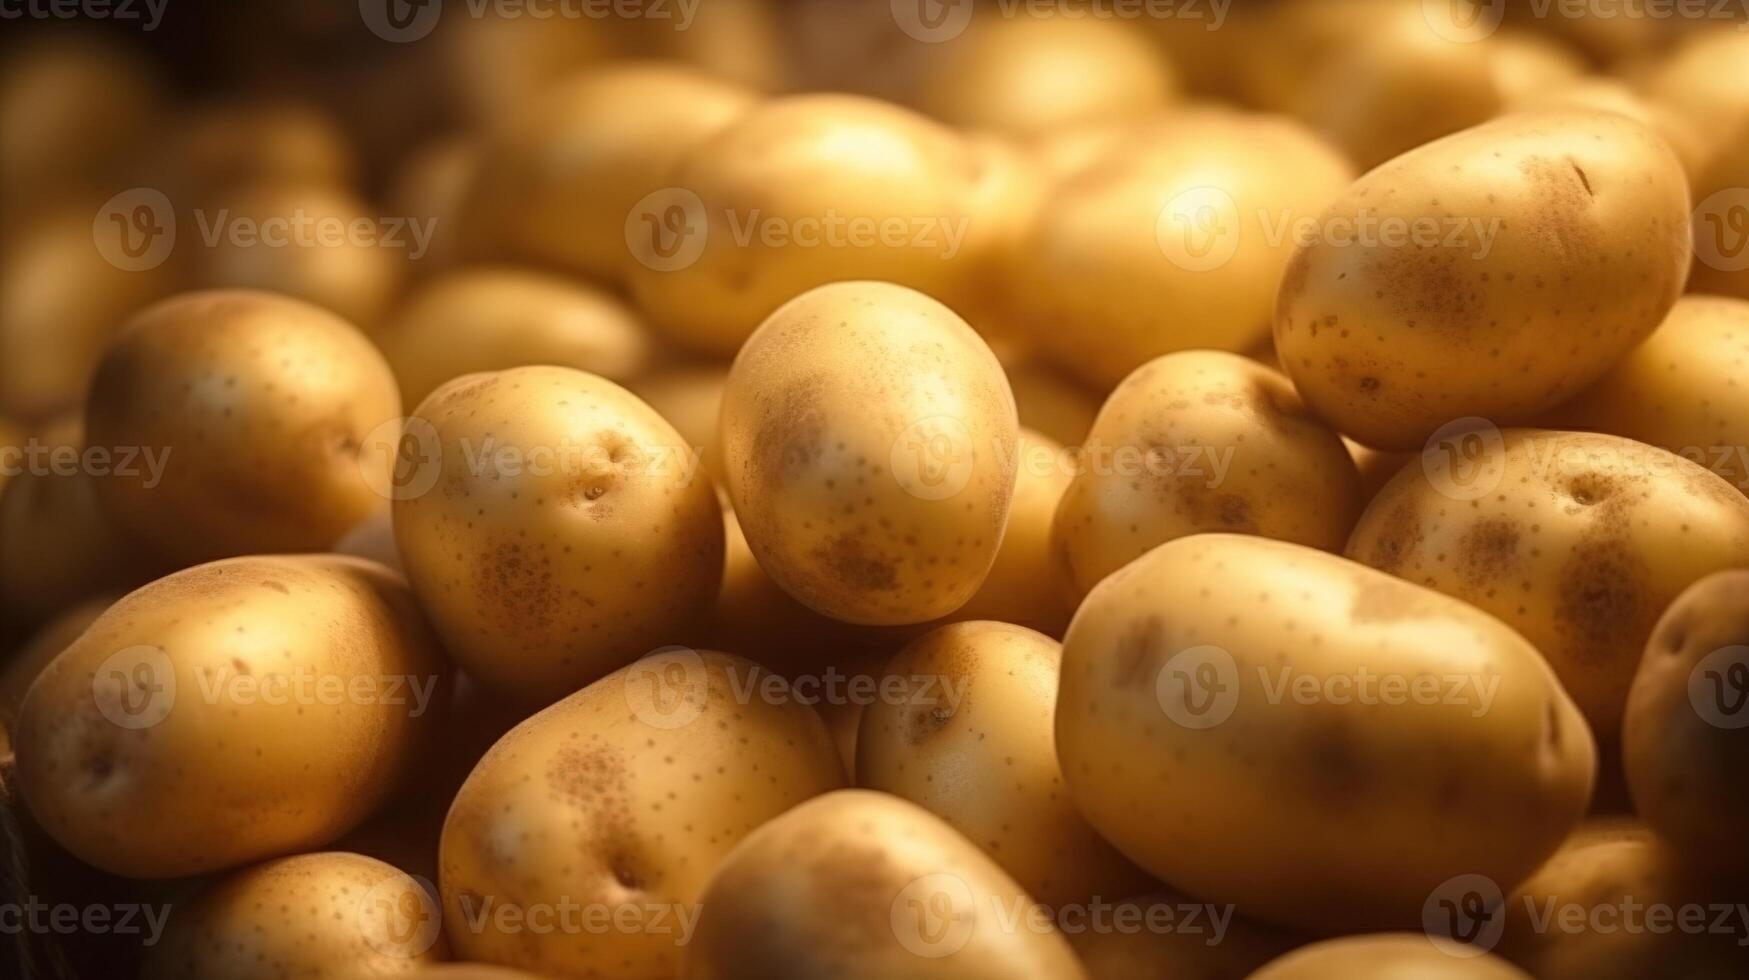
pixel 1578 541
pixel 870 441
pixel 1174 239
pixel 559 183
pixel 272 419
pixel 1493 273
pixel 1386 956
pixel 969 740
pixel 490 319
pixel 1685 738
pixel 329 914
pixel 1178 940
pixel 1263 724
pixel 230 712
pixel 1202 441
pixel 614 805
pixel 1610 95
pixel 556 527
pixel 807 190
pixel 857 885
pixel 1682 390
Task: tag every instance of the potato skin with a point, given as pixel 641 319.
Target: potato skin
pixel 224 739
pixel 1682 389
pixel 1576 540
pixel 827 888
pixel 1257 806
pixel 328 914
pixel 970 741
pixel 1385 956
pixel 869 438
pixel 1688 771
pixel 1221 443
pixel 264 404
pixel 1389 340
pixel 574 546
pixel 599 805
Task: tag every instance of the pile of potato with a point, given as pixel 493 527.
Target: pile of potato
pixel 838 491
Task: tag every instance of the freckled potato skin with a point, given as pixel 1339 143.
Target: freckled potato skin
pixel 1584 543
pixel 576 559
pixel 845 418
pixel 1311 812
pixel 611 798
pixel 230 774
pixel 263 404
pixel 1151 954
pixel 1388 340
pixel 1110 276
pixel 1684 389
pixel 1385 956
pixel 825 891
pixel 1690 776
pixel 1287 476
pixel 329 914
pixel 971 743
pixel 492 319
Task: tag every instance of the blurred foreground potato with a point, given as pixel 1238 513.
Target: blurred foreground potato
pixel 75 108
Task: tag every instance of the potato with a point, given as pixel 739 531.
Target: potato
pixel 276 422
pixel 1577 541
pixel 1266 725
pixel 869 438
pixel 615 804
pixel 1610 95
pixel 754 616
pixel 493 67
pixel 430 184
pixel 1025 76
pixel 807 190
pixel 1493 273
pixel 1621 909
pixel 1527 64
pixel 329 914
pixel 227 145
pixel 556 527
pixel 74 105
pixel 1177 939
pixel 857 884
pixel 1201 441
pixel 1386 956
pixel 1023 586
pixel 1175 239
pixel 24 664
pixel 230 712
pixel 969 740
pixel 558 184
pixel 1685 738
pixel 1703 79
pixel 1721 222
pixel 690 398
pixel 1682 390
pixel 489 319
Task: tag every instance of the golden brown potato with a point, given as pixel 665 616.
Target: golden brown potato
pixel 1526 64
pixel 75 106
pixel 430 186
pixel 1576 540
pixel 1386 956
pixel 276 422
pixel 1178 939
pixel 1703 79
pixel 1433 290
pixel 555 526
pixel 616 804
pixel 1610 95
pixel 1201 441
pixel 228 145
pixel 230 712
pixel 870 439
pixel 857 885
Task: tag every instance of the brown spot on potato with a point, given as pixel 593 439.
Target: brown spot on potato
pixel 1487 550
pixel 1135 651
pixel 849 563
pixel 1603 603
pixel 1396 538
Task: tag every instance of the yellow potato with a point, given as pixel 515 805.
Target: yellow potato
pixel 430 185
pixel 965 733
pixel 555 526
pixel 614 805
pixel 1610 95
pixel 275 421
pixel 1683 389
pixel 328 914
pixel 1175 239
pixel 690 398
pixel 489 319
pixel 1704 80
pixel 493 67
pixel 1386 956
pixel 1493 273
pixel 1577 541
pixel 1262 724
pixel 870 440
pixel 856 885
pixel 1023 587
pixel 559 183
pixel 228 713
pixel 24 664
pixel 1202 441
pixel 1721 222
pixel 1685 738
pixel 1177 939
pixel 807 190
pixel 755 617
pixel 1527 64
pixel 75 106
pixel 226 145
